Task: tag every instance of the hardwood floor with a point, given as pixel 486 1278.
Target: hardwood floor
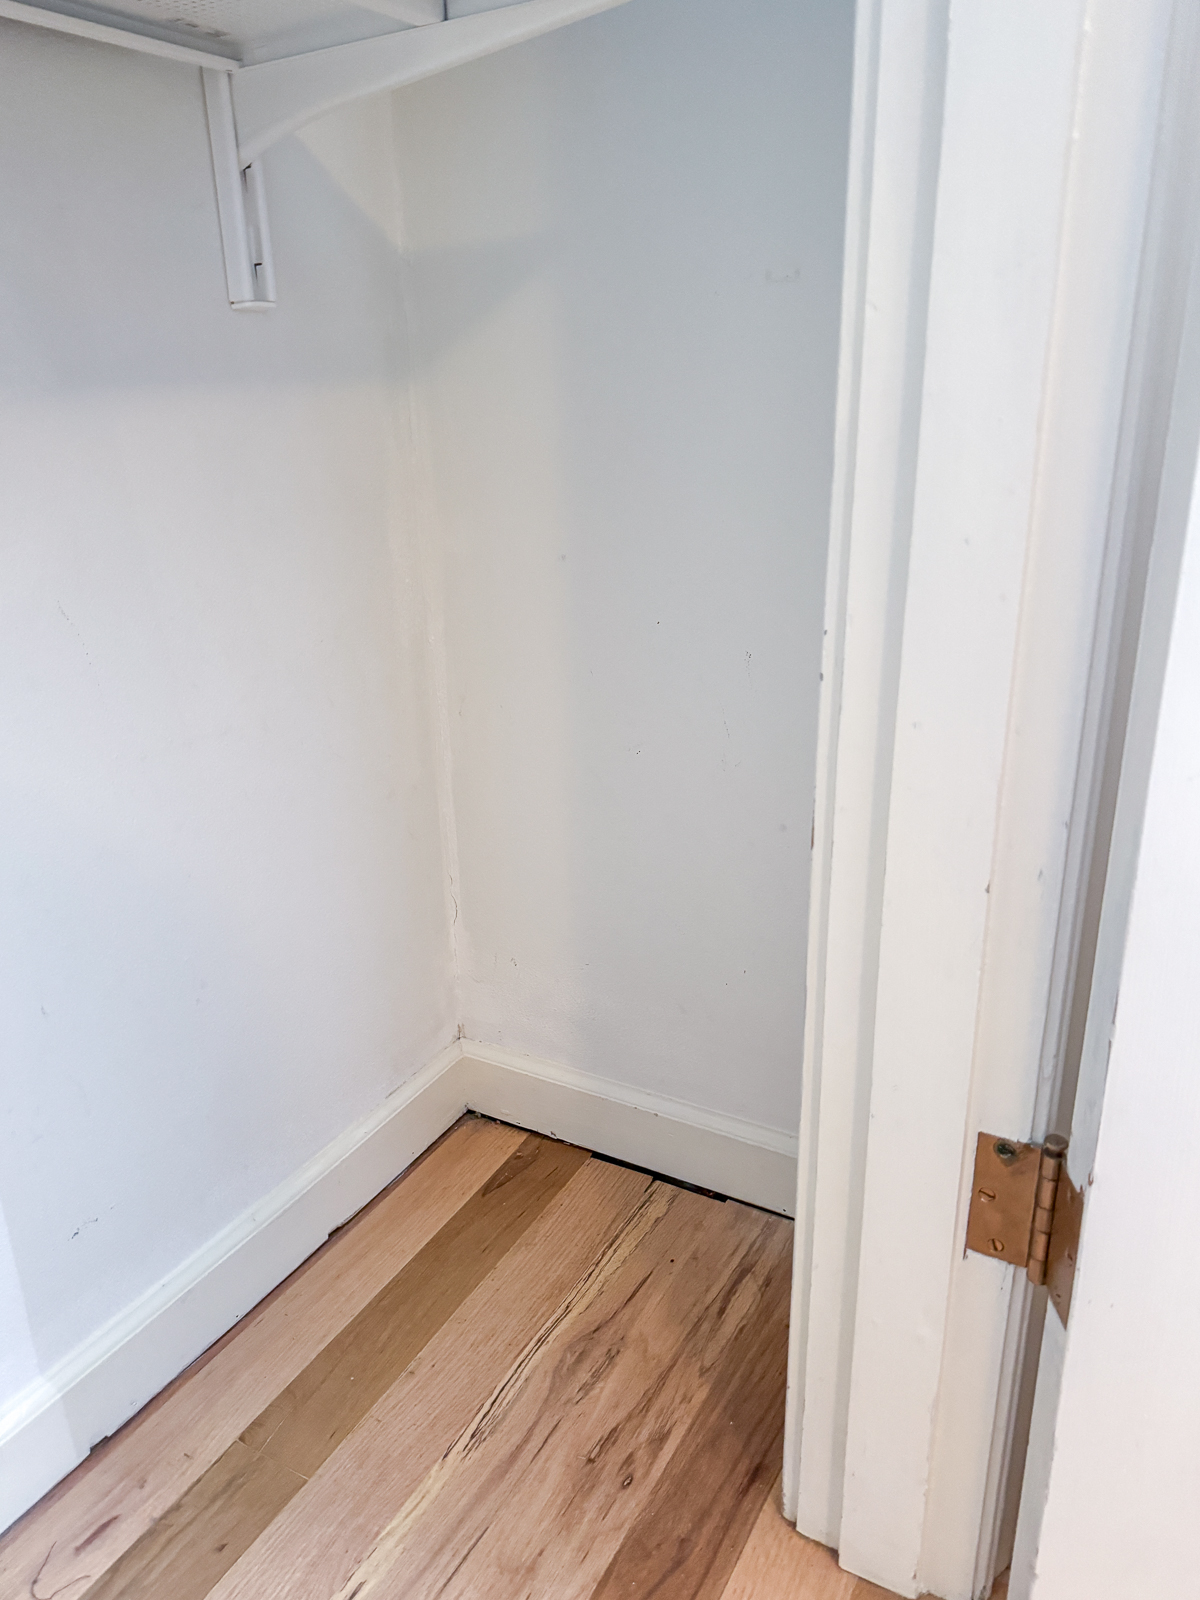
pixel 522 1372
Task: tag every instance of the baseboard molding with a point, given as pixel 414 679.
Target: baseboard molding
pixel 49 1427
pixel 742 1159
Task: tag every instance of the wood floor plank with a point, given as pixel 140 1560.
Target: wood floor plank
pixel 210 1528
pixel 238 1494
pixel 687 1539
pixel 588 1417
pixel 571 1389
pixel 303 1426
pixel 330 1527
pixel 777 1563
pixel 80 1529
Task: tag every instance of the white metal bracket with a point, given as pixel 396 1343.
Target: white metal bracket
pixel 241 204
pixel 251 107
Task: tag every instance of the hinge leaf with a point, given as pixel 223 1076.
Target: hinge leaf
pixel 1026 1211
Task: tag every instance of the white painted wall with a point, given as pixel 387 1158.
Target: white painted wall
pixel 437 654
pixel 224 936
pixel 625 267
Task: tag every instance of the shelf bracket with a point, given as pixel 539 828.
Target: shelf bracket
pixel 241 203
pixel 250 108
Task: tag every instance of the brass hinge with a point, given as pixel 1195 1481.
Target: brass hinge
pixel 1025 1210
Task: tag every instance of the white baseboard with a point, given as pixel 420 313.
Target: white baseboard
pixel 741 1159
pixel 50 1426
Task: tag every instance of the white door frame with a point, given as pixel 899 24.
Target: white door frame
pixel 992 414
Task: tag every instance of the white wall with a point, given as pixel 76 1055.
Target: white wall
pixel 224 934
pixel 436 654
pixel 625 265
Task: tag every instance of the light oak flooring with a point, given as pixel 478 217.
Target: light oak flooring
pixel 521 1372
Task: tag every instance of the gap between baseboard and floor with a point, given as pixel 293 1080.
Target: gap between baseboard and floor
pixel 50 1426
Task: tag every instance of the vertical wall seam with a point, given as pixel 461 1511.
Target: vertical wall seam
pixel 423 524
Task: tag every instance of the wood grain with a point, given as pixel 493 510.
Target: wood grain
pixel 524 1374
pixel 777 1563
pixel 687 1539
pixel 201 1536
pixel 303 1426
pixel 587 1417
pixel 78 1531
pixel 211 1526
pixel 331 1526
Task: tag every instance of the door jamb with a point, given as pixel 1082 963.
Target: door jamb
pixel 902 62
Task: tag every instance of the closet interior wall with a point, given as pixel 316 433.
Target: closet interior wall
pixel 225 930
pixel 435 656
pixel 623 265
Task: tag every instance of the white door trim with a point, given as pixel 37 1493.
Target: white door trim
pixel 892 174
pixel 1001 158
